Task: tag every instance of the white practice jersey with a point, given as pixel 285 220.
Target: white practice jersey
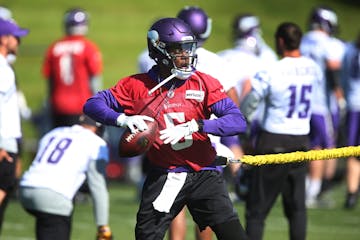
pixel 10 125
pixel 144 61
pixel 321 48
pixel 244 64
pixel 287 89
pixel 210 63
pixel 63 158
pixel 350 76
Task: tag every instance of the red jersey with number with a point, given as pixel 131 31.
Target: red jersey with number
pixel 69 64
pixel 172 105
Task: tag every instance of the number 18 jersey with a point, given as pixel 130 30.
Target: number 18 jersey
pixel 63 158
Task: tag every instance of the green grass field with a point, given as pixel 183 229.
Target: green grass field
pixel 323 224
pixel 119 28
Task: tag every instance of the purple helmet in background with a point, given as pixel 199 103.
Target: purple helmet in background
pixel 323 18
pixel 199 22
pixel 167 38
pixel 76 21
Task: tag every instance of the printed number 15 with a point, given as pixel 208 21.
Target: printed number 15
pixel 304 100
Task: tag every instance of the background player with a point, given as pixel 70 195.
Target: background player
pixel 73 67
pixel 320 45
pixel 286 87
pixel 10 123
pixel 75 153
pixel 351 85
pixel 25 111
pixel 249 55
pixel 182 107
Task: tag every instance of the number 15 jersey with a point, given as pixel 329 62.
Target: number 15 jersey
pixel 287 88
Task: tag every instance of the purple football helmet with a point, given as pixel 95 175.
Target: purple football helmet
pixel 167 38
pixel 199 22
pixel 324 18
pixel 76 21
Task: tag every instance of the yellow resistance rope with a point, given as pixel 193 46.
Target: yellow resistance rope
pixel 298 156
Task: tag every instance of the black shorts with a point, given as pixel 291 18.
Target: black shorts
pixel 51 226
pixel 7 173
pixel 204 193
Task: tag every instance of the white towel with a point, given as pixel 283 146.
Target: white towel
pixel 171 188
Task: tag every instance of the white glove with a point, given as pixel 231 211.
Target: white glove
pixel 174 134
pixel 133 122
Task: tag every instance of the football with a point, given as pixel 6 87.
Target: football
pixel 133 144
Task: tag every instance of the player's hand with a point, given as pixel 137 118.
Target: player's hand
pixel 134 122
pixel 5 156
pixel 174 134
pixel 104 233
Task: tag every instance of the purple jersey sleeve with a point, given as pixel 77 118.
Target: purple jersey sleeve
pixel 231 141
pixel 103 107
pixel 230 120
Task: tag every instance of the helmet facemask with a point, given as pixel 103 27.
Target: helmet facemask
pixel 178 57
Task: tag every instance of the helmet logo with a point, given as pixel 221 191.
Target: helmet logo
pixel 248 23
pixel 187 38
pixel 79 17
pixel 328 15
pixel 154 37
pixel 165 62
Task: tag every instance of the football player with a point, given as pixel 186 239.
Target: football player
pixel 66 157
pixel 10 123
pixel 286 87
pixel 320 44
pixel 181 100
pixel 209 63
pixel 73 68
pixel 351 84
pixel 249 54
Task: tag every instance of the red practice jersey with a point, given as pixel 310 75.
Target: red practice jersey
pixel 69 64
pixel 191 100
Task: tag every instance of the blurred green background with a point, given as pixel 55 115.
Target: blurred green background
pixel 119 28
